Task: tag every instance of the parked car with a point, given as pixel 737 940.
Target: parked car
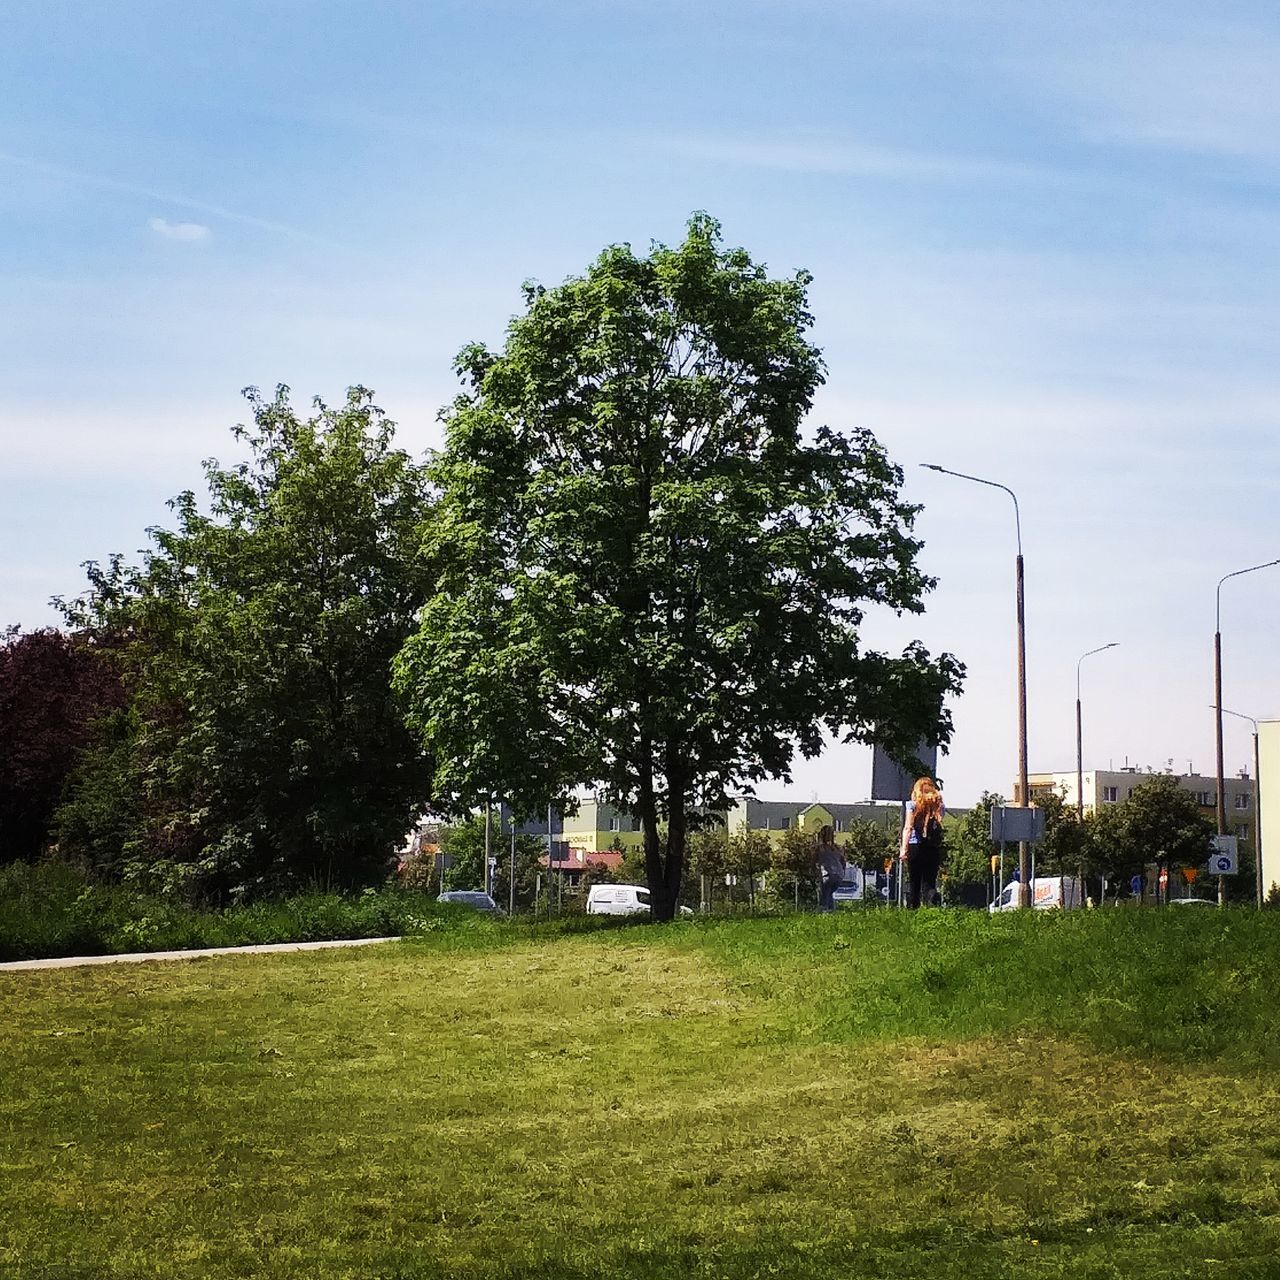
pixel 617 900
pixel 1192 902
pixel 622 900
pixel 472 898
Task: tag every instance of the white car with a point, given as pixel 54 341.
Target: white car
pixel 623 900
pixel 617 900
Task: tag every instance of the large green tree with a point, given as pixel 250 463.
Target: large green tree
pixel 257 640
pixel 650 580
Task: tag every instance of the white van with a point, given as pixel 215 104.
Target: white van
pixel 1047 892
pixel 617 900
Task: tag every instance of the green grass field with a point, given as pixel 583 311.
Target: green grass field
pixel 877 1094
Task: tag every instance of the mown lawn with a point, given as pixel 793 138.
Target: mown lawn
pixel 876 1095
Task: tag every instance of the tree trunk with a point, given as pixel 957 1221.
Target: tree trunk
pixel 648 806
pixel 677 834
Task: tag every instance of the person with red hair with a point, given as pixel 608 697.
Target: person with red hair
pixel 922 842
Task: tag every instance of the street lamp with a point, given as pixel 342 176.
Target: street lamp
pixel 1257 798
pixel 1024 861
pixel 1080 731
pixel 1217 703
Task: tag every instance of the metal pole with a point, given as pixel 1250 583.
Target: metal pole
pixel 511 873
pixel 1217 700
pixel 1080 731
pixel 1257 801
pixel 488 812
pixel 1024 797
pixel 1257 813
pixel 550 856
pixel 1024 850
pixel 1079 755
pixel 1217 703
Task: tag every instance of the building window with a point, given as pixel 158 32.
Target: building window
pixel 839 824
pixel 1110 795
pixel 1242 800
pixel 615 824
pixel 1206 799
pixel 1243 831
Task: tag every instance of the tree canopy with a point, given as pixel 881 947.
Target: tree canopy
pixel 264 747
pixel 648 580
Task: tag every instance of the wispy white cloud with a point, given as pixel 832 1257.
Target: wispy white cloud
pixel 828 154
pixel 178 230
pixel 1210 92
pixel 217 211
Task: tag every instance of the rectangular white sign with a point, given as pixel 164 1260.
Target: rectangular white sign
pixel 1224 860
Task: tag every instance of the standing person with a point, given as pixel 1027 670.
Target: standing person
pixel 831 866
pixel 922 842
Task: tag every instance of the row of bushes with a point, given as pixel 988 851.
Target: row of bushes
pixel 58 909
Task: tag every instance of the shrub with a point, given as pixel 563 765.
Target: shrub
pixel 58 908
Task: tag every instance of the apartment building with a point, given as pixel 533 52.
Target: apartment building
pixel 1104 787
pixel 598 828
pixel 776 817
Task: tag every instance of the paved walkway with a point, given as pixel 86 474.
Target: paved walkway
pixel 68 962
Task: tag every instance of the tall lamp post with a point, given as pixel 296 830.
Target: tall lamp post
pixel 1080 731
pixel 1024 859
pixel 1257 799
pixel 1217 703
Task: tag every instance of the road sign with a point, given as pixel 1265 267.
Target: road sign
pixel 890 781
pixel 1224 860
pixel 1010 824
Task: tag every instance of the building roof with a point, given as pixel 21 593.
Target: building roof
pixel 779 809
pixel 578 860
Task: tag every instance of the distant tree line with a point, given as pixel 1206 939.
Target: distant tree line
pixel 1158 825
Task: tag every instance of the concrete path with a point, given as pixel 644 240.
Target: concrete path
pixel 67 962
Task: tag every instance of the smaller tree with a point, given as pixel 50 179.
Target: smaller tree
pixel 1111 855
pixel 1065 849
pixel 793 868
pixel 529 849
pixel 969 847
pixel 867 844
pixel 1162 823
pixel 708 861
pixel 463 847
pixel 105 811
pixel 749 854
pixel 632 868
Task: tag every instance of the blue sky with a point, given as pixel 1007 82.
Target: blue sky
pixel 1044 241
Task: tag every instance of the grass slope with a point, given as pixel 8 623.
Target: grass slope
pixel 872 1095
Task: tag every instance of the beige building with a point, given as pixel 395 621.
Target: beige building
pixel 1103 787
pixel 597 826
pixel 775 817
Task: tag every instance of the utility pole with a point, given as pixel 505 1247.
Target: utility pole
pixel 1023 799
